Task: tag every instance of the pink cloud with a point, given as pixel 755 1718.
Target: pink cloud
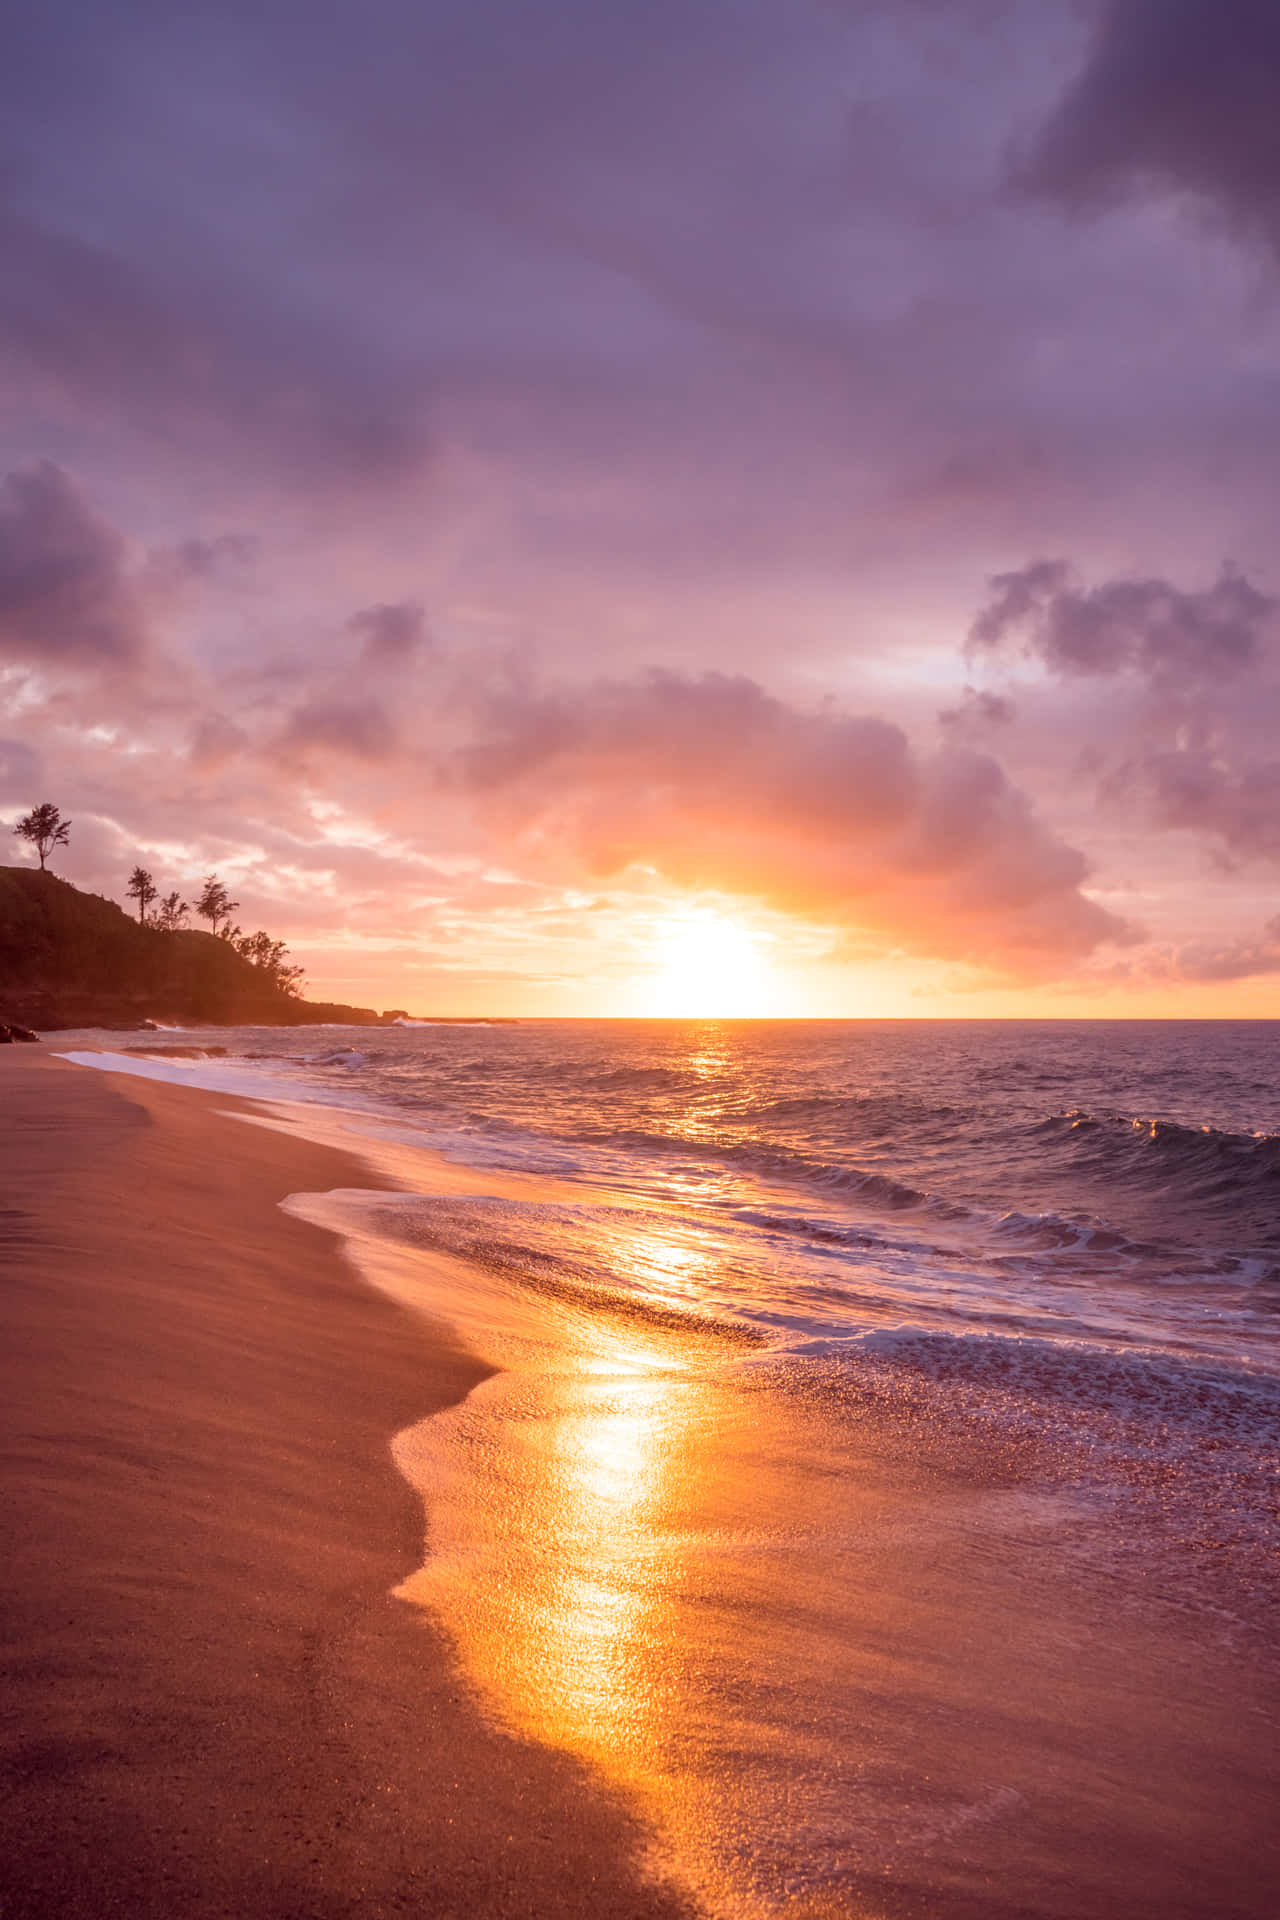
pixel 714 783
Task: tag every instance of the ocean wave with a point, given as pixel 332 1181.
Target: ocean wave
pixel 1052 1233
pixel 879 1190
pixel 1209 1166
pixel 644 1079
pixel 861 1114
pixel 1168 1140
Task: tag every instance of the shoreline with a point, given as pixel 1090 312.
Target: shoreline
pixel 858 1653
pixel 213 1702
pixel 821 1661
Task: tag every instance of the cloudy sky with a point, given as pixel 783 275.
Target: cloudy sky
pixel 591 506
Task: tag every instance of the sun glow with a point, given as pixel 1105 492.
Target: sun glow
pixel 710 968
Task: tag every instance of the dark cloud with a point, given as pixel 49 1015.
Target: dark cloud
pixel 359 728
pixel 1181 94
pixel 392 634
pixel 1181 749
pixel 1199 791
pixel 747 269
pixel 138 332
pixel 68 595
pixel 1147 626
pixel 225 556
pixel 714 783
pixel 978 710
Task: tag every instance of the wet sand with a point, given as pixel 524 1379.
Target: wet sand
pixel 800 1658
pixel 851 1650
pixel 212 1704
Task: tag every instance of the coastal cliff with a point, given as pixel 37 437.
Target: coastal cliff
pixel 73 959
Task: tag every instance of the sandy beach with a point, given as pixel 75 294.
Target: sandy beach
pixel 212 1703
pixel 681 1640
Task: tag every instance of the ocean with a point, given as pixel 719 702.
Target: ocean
pixel 1109 1189
pixel 713 1264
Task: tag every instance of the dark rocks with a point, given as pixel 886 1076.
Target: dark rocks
pixel 10 1033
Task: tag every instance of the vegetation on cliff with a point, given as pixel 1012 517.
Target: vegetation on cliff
pixel 73 959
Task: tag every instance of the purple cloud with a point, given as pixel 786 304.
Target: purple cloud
pixel 1199 791
pixel 68 595
pixel 165 339
pixel 392 634
pixel 361 728
pixel 979 710
pixel 1146 626
pixel 1176 95
pixel 1232 960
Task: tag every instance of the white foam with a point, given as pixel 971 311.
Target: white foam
pixel 212 1075
pixel 441 1023
pixel 1149 1383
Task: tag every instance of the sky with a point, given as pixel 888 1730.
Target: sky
pixel 602 507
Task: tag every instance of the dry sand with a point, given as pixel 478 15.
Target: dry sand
pixel 212 1704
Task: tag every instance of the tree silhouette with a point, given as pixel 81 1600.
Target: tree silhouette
pixel 172 913
pixel 45 828
pixel 269 954
pixel 143 889
pixel 215 903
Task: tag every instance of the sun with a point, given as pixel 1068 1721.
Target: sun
pixel 708 969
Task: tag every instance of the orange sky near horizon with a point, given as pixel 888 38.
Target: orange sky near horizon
pixel 701 962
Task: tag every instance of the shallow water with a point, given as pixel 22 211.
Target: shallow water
pixel 1115 1185
pixel 878 1475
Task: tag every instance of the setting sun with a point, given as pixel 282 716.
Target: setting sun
pixel 710 968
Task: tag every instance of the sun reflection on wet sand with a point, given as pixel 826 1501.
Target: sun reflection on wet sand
pixel 832 1659
pixel 554 1585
